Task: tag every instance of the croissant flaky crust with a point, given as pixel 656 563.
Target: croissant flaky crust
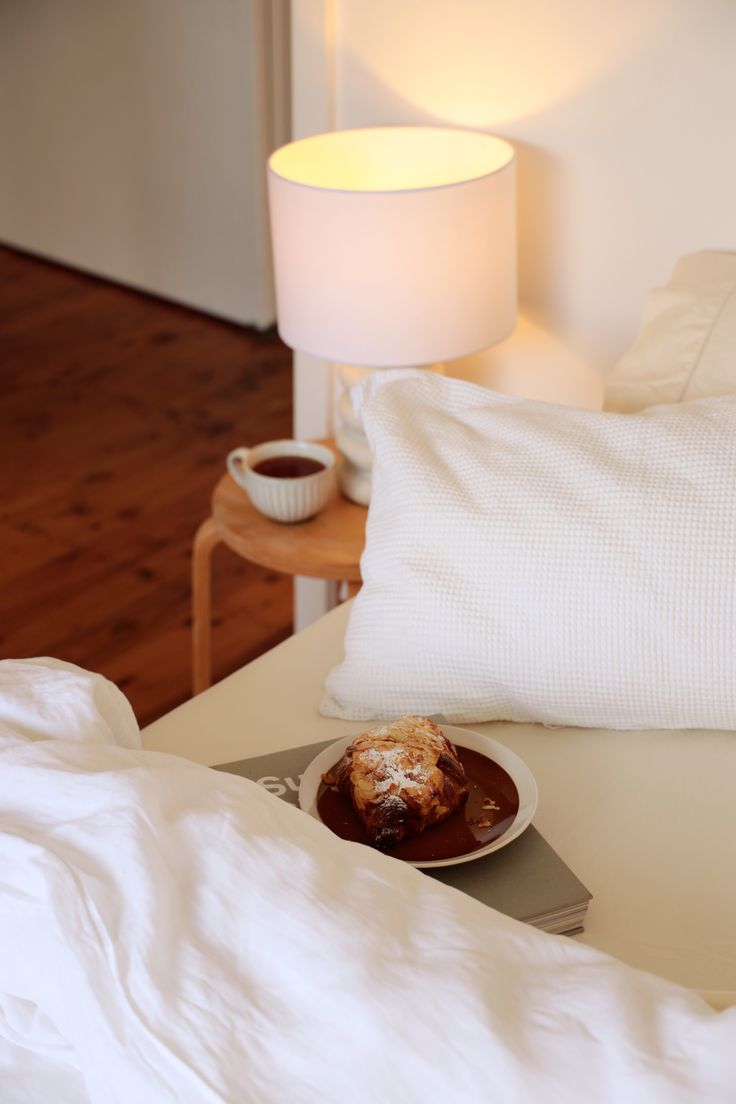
pixel 401 778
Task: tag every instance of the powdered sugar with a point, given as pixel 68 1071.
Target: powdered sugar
pixel 394 771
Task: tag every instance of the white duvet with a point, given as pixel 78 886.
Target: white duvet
pixel 170 933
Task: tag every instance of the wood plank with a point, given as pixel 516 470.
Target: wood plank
pixel 117 412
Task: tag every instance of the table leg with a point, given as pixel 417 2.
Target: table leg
pixel 206 539
pixel 347 589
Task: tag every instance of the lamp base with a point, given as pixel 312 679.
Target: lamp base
pixel 354 483
pixel 355 470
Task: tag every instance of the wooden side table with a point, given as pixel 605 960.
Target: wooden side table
pixel 327 546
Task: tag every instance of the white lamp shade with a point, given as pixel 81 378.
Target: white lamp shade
pixel 394 245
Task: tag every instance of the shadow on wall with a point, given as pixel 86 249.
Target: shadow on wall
pixel 492 65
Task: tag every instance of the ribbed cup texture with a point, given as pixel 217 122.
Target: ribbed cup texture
pixel 290 500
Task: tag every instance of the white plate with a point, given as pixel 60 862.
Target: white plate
pixel 514 766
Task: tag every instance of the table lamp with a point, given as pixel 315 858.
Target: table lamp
pixel 393 247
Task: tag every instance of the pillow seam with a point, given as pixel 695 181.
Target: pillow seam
pixel 701 352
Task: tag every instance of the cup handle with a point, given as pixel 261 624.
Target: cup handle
pixel 234 460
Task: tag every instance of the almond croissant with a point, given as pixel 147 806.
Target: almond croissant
pixel 401 778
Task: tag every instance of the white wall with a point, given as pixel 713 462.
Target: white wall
pixel 133 135
pixel 624 120
pixel 312 111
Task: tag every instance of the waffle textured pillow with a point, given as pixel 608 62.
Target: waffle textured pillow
pixel 687 345
pixel 532 562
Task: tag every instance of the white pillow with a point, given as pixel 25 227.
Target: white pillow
pixel 687 345
pixel 533 562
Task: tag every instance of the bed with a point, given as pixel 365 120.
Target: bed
pixel 170 932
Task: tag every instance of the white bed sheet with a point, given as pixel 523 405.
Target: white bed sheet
pixel 170 933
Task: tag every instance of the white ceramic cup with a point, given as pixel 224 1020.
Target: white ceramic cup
pixel 286 500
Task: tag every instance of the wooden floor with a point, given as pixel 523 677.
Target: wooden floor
pixel 116 414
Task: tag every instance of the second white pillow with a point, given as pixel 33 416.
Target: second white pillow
pixel 687 345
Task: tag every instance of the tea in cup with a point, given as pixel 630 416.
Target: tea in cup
pixel 286 480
